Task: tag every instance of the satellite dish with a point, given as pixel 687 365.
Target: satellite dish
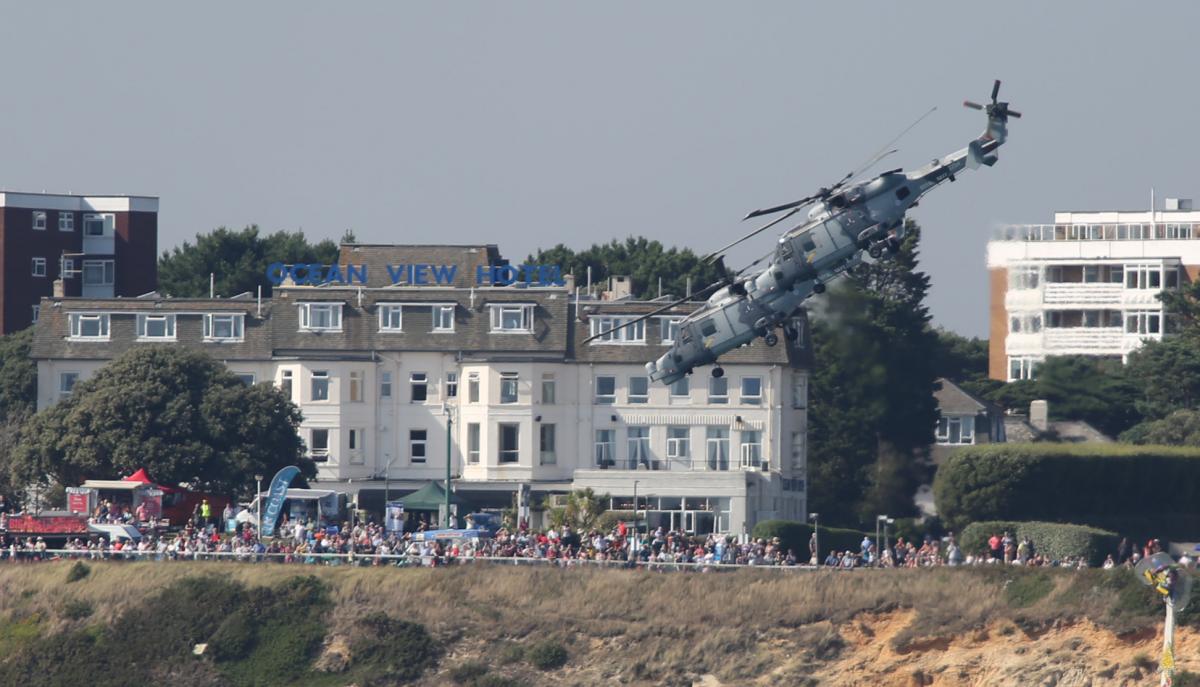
pixel 1147 573
pixel 1150 565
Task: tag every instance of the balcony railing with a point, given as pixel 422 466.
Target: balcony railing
pixel 750 461
pixel 1159 231
pixel 1082 293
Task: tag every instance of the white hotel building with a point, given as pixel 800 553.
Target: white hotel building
pixel 1087 284
pixel 377 372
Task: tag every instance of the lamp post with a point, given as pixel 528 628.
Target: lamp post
pixel 633 546
pixel 879 519
pixel 449 424
pixel 816 536
pixel 258 478
pixel 886 543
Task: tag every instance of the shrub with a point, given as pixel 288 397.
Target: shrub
pixel 468 673
pixel 609 519
pixel 1050 539
pixel 795 535
pixel 547 655
pixel 76 609
pixel 511 653
pixel 1141 491
pixel 78 571
pixel 396 648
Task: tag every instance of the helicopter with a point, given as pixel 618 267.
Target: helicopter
pixel 846 219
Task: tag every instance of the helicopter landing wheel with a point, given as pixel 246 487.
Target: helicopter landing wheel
pixel 718 372
pixel 818 288
pixel 875 251
pixel 771 338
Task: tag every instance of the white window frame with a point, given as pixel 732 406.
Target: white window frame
pixel 38 268
pixel 287 383
pixel 451 385
pixel 64 389
pixel 388 312
pixel 237 327
pixel 77 320
pixel 637 438
pixel 107 269
pixel 318 454
pixel 356 380
pixel 418 380
pixel 247 378
pixel 66 268
pixel 641 398
pixel 681 398
pixel 474 440
pixel 39 220
pixel 547 451
pixel 322 375
pixel 750 449
pixel 415 443
pixel 473 387
pixel 309 310
pixel 945 430
pixel 443 314
pixel 668 329
pixel 549 383
pixel 714 398
pixel 145 319
pixel 750 399
pixel 515 379
pixel 501 452
pixel 69 224
pixel 1026 367
pixel 37 312
pixel 606 399
pixel 799 390
pixel 678 446
pixel 385 385
pixel 107 224
pixel 354 445
pixel 603 448
pixel 498 311
pixel 605 329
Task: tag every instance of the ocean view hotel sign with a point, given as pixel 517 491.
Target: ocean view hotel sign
pixel 415 274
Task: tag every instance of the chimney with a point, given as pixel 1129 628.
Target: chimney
pixel 60 289
pixel 619 287
pixel 1039 415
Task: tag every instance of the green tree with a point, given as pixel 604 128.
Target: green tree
pixel 1167 373
pixel 1095 390
pixel 1180 428
pixel 872 410
pixel 582 510
pixel 644 260
pixel 238 260
pixel 178 413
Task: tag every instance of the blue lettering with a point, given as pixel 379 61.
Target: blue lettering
pixel 276 272
pixel 444 274
pixel 395 273
pixel 527 271
pixel 419 277
pixel 334 274
pixel 550 275
pixel 504 275
pixel 298 273
pixel 358 272
pixel 483 275
pixel 314 273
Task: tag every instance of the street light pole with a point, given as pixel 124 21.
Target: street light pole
pixel 816 535
pixel 258 502
pixel 633 547
pixel 449 424
pixel 879 519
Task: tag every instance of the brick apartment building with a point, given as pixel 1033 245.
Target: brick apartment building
pixel 100 246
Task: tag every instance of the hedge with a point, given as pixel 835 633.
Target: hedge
pixel 795 535
pixel 1051 539
pixel 1140 491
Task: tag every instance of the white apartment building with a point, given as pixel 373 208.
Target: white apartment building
pixel 1087 284
pixel 379 371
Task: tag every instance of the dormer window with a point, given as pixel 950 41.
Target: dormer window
pixel 156 327
pixel 391 318
pixel 618 330
pixel 89 326
pixel 224 327
pixel 321 317
pixel 512 318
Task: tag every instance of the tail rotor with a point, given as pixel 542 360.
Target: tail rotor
pixel 997 109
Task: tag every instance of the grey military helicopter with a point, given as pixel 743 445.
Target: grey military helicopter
pixel 846 219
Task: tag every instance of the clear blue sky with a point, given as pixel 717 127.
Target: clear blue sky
pixel 533 123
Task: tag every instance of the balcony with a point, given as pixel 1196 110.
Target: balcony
pixel 1090 341
pixel 1083 294
pixel 750 460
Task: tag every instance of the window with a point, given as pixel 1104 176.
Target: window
pixel 39 267
pixel 66 383
pixel 606 390
pixel 1149 322
pixel 508 387
pixel 546 440
pixel 639 389
pixel 618 330
pixel 385 385
pixel 751 450
pixel 512 318
pixel 798 451
pixel 955 429
pixel 37 311
pixel 799 390
pixel 98 225
pixel 419 383
pixel 669 329
pixel 717 445
pixel 39 220
pixel 548 389
pixel 356 387
pixel 681 391
pixel 89 326
pixel 318 442
pixel 604 448
pixel 1030 324
pixel 677 444
pixel 66 221
pixel 224 327
pixel 285 383
pixel 510 443
pixel 416 445
pixel 751 390
pixel 473 387
pixel 451 385
pixel 1023 278
pixel 156 327
pixel 473 443
pixel 391 318
pixel 320 385
pixel 98 272
pixel 354 443
pixel 66 267
pixel 1022 368
pixel 718 390
pixel 443 318
pixel 246 378
pixel 639 448
pixel 321 316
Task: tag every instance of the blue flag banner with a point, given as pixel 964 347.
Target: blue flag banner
pixel 275 496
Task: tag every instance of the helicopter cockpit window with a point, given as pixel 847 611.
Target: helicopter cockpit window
pixel 708 328
pixel 837 202
pixel 902 193
pixel 808 245
pixel 785 250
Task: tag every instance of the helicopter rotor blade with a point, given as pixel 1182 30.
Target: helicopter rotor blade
pixel 673 304
pixel 720 251
pixel 796 204
pixel 973 106
pixel 995 90
pixel 1014 113
pixel 886 149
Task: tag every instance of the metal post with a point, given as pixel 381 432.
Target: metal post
pixel 258 502
pixel 449 423
pixel 1167 676
pixel 633 545
pixel 816 533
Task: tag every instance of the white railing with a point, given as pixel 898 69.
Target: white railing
pixel 1124 231
pixel 1083 294
pixel 1088 339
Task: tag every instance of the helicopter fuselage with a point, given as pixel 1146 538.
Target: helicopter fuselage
pixel 866 216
